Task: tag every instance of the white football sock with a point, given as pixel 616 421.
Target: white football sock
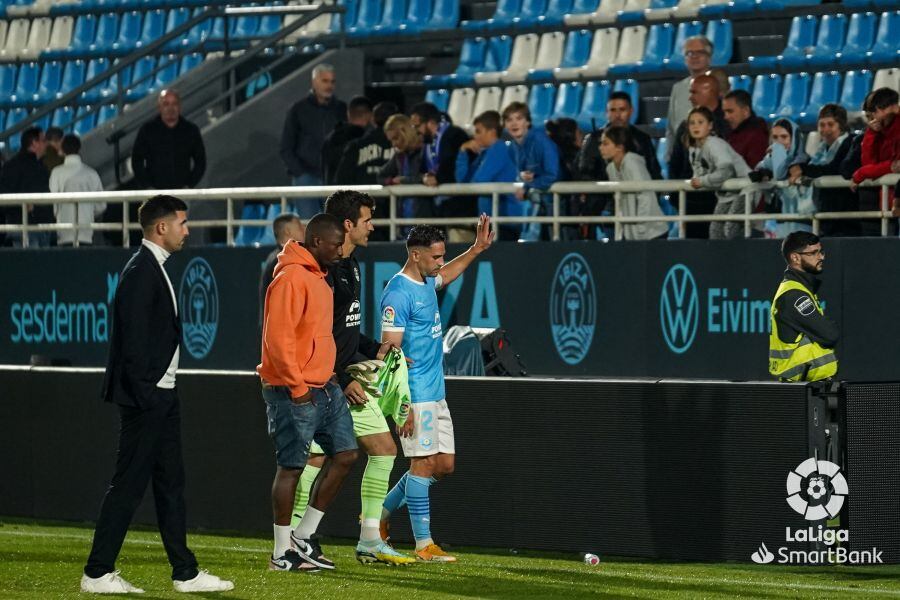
pixel 309 523
pixel 282 540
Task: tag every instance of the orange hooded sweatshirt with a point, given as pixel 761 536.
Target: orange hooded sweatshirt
pixel 298 349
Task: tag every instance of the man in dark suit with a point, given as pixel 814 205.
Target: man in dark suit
pixel 140 378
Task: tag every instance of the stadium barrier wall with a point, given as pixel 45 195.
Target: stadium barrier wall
pixel 668 469
pixel 638 309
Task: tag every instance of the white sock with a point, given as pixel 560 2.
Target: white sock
pixel 421 544
pixel 282 540
pixel 309 523
pixel 369 535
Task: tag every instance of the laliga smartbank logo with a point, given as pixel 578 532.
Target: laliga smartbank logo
pixel 816 489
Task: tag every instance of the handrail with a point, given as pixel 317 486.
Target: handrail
pixel 494 190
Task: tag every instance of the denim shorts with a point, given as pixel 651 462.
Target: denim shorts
pixel 292 427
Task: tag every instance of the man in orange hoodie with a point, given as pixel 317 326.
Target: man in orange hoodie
pixel 302 402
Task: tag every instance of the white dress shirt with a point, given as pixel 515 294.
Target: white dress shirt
pixel 75 176
pixel 168 380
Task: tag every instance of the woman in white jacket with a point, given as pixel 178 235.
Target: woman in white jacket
pixel 622 165
pixel 714 161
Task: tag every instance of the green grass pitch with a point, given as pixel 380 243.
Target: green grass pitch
pixel 45 561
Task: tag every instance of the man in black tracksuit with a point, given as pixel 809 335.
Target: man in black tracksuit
pixel 358 123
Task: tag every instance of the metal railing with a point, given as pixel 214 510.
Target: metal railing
pixel 556 220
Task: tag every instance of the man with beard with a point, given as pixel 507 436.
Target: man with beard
pixel 802 342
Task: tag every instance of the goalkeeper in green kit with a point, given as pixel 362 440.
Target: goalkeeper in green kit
pixel 374 379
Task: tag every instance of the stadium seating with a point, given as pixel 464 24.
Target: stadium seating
pixel 440 98
pixel 541 101
pixel 568 100
pixel 604 48
pixel 529 13
pixel 574 56
pixel 766 92
pixel 675 61
pixel 459 109
pixel 514 93
pixel 826 88
pixel 854 89
pixel 487 98
pixel 794 96
pixel 522 57
pixel 631 48
pixel 549 54
pixel 886 50
pixel 505 12
pixel 860 38
pixel 593 105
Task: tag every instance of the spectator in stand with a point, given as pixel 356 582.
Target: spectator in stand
pixel 833 149
pixel 285 227
pixel 306 126
pixel 569 140
pixel 405 166
pixel 869 198
pixel 787 143
pixel 722 78
pixel 25 173
pixel 442 142
pixel 624 165
pixel 537 160
pixel 75 176
pixel 705 94
pixel 714 162
pixel 53 156
pixel 358 123
pixel 168 151
pixel 749 134
pixel 880 147
pixel 698 52
pixel 487 159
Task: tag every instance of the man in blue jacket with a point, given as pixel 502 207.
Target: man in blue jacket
pixel 536 158
pixel 487 159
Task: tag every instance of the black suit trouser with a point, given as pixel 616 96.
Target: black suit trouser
pixel 149 450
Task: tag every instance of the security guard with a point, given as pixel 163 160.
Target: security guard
pixel 801 345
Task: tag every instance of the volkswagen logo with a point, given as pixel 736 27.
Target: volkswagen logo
pixel 573 308
pixel 679 309
pixel 198 305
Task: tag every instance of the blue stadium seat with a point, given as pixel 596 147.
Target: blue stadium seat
pixel 198 33
pixel 856 85
pixel 129 32
pixel 190 61
pixel 630 87
pixel 504 13
pixel 719 33
pixel 73 76
pixel 108 112
pixel 582 7
pixel 111 89
pixel 444 15
pixel 860 38
pixel 141 79
pixel 886 49
pixel 440 98
pixel 2 120
pixel 244 27
pixel 94 68
pixel 368 17
pixel 417 16
pixel 794 95
pixel 685 30
pixel 540 102
pixel 268 236
pixel 857 3
pixel 26 83
pixel 826 88
pixel 568 100
pixel 62 117
pixel 350 16
pixel 168 71
pixel 741 82
pixel 270 24
pixel 531 12
pixel 498 54
pixel 830 41
pixel 658 48
pixel 86 121
pixel 84 33
pixel 107 32
pixel 247 235
pixel 556 10
pixel 392 15
pixel 8 74
pixel 51 80
pixel 153 29
pixel 175 19
pixel 593 105
pixel 766 92
pixel 472 58
pixel 575 54
pixel 14 117
pixel 801 37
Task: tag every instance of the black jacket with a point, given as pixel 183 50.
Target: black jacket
pixel 592 167
pixel 452 139
pixel 833 199
pixel 363 158
pixel 796 313
pixel 333 149
pixel 145 333
pixel 680 161
pixel 25 173
pixel 306 126
pixel 352 345
pixel 166 158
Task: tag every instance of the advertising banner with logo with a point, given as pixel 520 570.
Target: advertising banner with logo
pixel 653 309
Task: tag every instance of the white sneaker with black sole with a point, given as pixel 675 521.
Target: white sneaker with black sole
pixel 203 582
pixel 110 583
pixel 291 561
pixel 311 550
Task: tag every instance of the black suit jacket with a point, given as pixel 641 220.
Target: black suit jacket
pixel 145 333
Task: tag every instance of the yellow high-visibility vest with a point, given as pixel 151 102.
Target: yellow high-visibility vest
pixel 802 359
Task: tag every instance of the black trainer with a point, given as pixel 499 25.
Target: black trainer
pixel 311 551
pixel 292 561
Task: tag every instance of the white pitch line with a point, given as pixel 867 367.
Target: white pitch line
pixel 611 571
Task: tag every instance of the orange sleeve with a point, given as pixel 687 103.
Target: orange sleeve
pixel 287 301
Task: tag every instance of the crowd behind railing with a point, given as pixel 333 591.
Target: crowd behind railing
pixel 725 172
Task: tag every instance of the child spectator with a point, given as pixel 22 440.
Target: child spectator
pixel 622 165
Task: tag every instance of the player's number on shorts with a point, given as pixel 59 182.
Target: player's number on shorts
pixel 427 417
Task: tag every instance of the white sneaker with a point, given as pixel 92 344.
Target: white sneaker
pixel 110 583
pixel 203 582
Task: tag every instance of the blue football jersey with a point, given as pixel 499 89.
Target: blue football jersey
pixel 412 307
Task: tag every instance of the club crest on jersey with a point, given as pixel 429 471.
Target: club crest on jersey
pixel 387 316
